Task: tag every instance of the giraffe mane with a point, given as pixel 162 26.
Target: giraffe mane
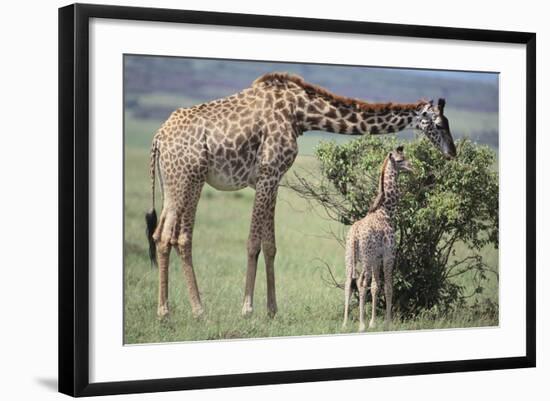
pixel 381 195
pixel 361 105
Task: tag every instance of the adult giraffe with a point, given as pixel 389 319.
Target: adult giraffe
pixel 250 139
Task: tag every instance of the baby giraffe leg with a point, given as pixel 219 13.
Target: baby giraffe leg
pixel 374 291
pixel 388 287
pixel 362 287
pixel 350 273
pixel 347 298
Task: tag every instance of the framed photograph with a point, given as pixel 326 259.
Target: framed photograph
pixel 383 174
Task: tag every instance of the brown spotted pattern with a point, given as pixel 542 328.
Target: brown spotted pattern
pixel 370 243
pixel 249 139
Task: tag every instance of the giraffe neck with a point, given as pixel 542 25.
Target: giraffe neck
pixel 388 193
pixel 347 116
pixel 391 192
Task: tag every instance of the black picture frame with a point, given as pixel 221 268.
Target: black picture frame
pixel 74 198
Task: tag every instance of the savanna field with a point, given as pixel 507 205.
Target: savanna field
pixel 307 304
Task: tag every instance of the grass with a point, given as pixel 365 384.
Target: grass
pixel 307 305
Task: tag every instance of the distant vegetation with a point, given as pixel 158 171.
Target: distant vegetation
pixel 155 86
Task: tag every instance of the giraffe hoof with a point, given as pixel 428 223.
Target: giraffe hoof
pixel 198 312
pixel 247 310
pixel 272 311
pixel 163 312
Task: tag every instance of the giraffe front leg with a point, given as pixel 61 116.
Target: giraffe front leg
pixel 253 248
pixel 269 250
pixel 266 189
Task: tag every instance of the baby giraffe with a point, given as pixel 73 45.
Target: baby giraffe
pixel 371 242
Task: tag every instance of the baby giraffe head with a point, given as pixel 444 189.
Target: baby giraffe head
pixel 388 193
pixel 435 125
pixel 401 163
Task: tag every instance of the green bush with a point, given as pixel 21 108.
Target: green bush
pixel 443 203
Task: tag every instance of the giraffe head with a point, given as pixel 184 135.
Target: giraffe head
pixel 401 163
pixel 435 125
pixel 388 193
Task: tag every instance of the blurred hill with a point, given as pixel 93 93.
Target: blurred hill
pixel 155 86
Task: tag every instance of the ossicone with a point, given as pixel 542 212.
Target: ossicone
pixel 441 105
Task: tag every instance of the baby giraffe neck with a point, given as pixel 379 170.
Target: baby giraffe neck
pixel 391 193
pixel 388 194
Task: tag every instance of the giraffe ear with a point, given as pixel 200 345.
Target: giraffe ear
pixel 441 105
pixel 399 149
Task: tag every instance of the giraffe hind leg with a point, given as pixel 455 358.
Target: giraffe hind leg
pixel 162 237
pixel 160 225
pixel 347 298
pixel 182 238
pixel 350 282
pixel 362 286
pixel 175 232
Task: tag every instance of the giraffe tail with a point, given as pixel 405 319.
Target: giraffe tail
pixel 151 217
